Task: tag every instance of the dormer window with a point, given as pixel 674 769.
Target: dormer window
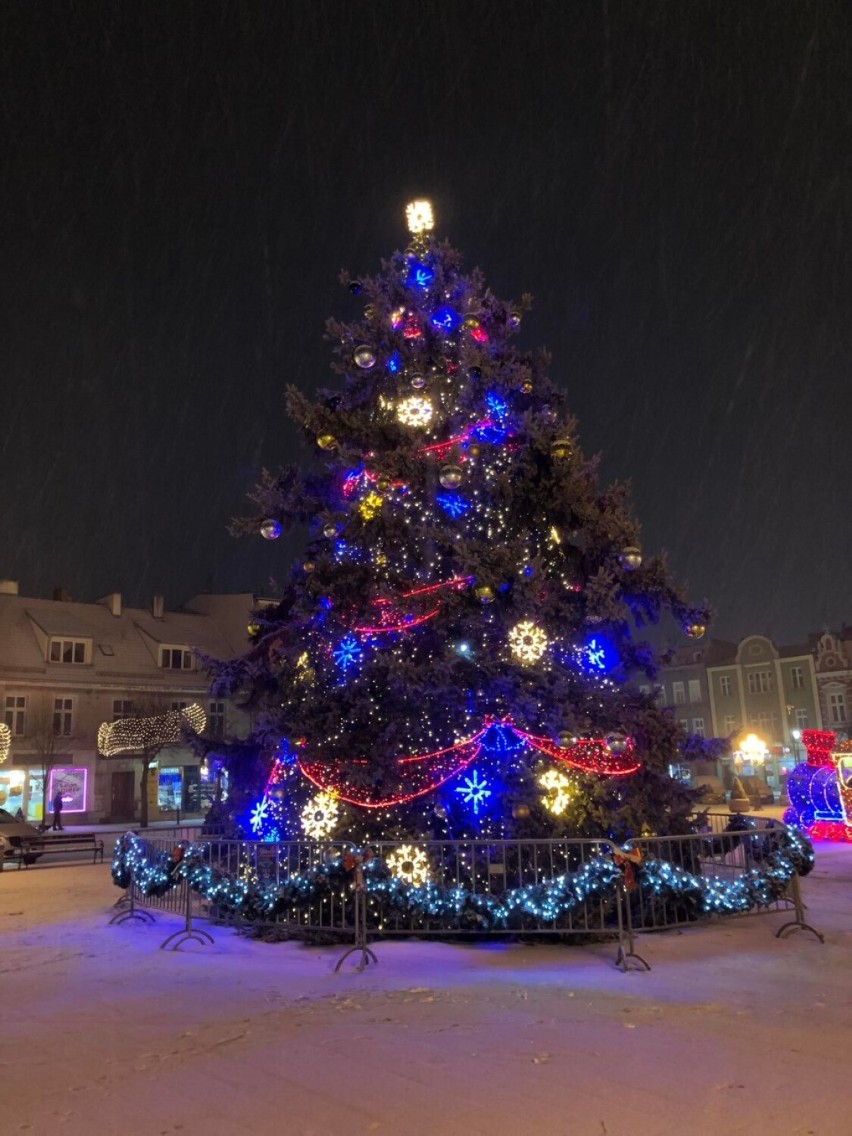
pixel 176 659
pixel 68 651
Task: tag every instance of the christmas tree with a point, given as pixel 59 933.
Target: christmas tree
pixel 458 653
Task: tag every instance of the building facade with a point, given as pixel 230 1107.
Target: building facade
pixel 66 668
pixel 755 687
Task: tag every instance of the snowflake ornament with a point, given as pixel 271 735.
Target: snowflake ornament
pixel 474 791
pixel 409 864
pixel 259 814
pixel 415 411
pixel 558 791
pixel 320 815
pixel 528 642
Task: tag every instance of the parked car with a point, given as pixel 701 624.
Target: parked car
pixel 14 831
pixel 712 790
pixel 757 791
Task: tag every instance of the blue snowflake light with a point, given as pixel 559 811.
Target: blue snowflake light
pixel 420 275
pixel 597 656
pixel 453 504
pixel 394 362
pixel 259 815
pixel 496 404
pixel 445 319
pixel 347 653
pixel 474 791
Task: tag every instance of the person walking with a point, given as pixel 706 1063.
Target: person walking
pixel 57 811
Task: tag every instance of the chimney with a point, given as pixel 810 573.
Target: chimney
pixel 112 602
pixel 8 587
pixel 157 607
pixel 61 595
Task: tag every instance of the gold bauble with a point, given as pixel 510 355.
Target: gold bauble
pixel 520 812
pixel 327 442
pixel 695 630
pixel 630 558
pixel 308 566
pixel 383 484
pixel 470 323
pixel 485 594
pixel 473 451
pixel 526 386
pixel 561 448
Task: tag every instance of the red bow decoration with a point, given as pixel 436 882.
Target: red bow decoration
pixel 626 860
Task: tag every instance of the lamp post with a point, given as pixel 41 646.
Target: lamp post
pixel 797 737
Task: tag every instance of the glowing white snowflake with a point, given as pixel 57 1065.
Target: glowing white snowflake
pixel 410 864
pixel 319 816
pixel 414 411
pixel 474 791
pixel 259 814
pixel 558 791
pixel 528 642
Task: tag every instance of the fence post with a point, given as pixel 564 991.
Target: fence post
pixel 799 923
pixel 354 863
pixel 127 906
pixel 188 932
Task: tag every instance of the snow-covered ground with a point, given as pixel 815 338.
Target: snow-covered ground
pixel 733 1031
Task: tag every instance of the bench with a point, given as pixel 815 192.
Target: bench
pixel 63 842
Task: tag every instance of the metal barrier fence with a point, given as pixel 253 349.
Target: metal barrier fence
pixel 486 871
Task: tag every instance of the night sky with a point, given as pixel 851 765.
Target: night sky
pixel 182 183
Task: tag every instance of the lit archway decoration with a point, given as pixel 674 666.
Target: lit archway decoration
pixel 131 735
pixel 5 741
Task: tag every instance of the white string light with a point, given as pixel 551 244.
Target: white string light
pixel 130 735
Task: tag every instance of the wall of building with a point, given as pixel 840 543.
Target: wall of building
pixel 66 668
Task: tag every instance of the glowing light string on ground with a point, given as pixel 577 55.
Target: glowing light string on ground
pixel 130 735
pixel 418 774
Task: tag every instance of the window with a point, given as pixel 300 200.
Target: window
pixel 179 705
pixel 678 695
pixel 68 650
pixel 176 659
pixel 759 682
pixel 801 719
pixel 684 722
pixel 797 680
pixel 216 719
pixel 62 713
pixel 725 685
pixel 694 690
pixel 730 724
pixel 698 727
pixel 16 714
pixel 121 708
pixel 837 708
pixel 764 723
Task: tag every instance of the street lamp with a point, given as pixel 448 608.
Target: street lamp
pixel 797 737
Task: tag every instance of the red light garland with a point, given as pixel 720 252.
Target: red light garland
pixel 422 773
